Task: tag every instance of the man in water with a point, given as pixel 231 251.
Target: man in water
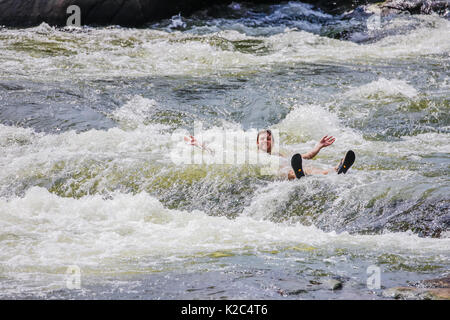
pixel 264 142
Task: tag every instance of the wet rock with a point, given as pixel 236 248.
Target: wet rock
pixel 339 6
pixel 440 7
pixel 24 13
pixel 94 12
pixel 333 284
pixel 435 283
pixel 293 287
pixel 297 287
pixel 409 293
pixel 434 289
pixel 439 294
pixel 402 293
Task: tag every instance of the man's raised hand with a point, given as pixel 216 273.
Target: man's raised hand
pixel 326 141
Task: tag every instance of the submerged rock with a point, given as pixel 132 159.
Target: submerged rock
pixel 434 289
pixel 436 283
pixel 409 293
pixel 293 287
pixel 333 284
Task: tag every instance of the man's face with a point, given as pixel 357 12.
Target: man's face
pixel 265 142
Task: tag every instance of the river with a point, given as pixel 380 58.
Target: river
pixel 87 122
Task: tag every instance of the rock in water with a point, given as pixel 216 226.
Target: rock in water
pixel 436 283
pixel 334 284
pixel 94 12
pixel 434 289
pixel 417 293
pixel 440 7
pixel 133 13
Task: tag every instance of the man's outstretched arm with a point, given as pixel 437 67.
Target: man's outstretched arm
pixel 193 142
pixel 324 142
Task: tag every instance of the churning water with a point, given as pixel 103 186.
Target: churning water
pixel 86 178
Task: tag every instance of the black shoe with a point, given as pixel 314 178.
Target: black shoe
pixel 296 163
pixel 347 162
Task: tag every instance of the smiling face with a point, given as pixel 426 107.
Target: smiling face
pixel 264 141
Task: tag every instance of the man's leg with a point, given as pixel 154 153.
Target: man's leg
pixel 309 171
pixel 312 170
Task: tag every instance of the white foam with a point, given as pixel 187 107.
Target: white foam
pixel 384 88
pixel 106 53
pixel 41 154
pixel 53 231
pixel 135 111
pixel 306 124
pixel 10 135
pixel 177 22
pixel 309 121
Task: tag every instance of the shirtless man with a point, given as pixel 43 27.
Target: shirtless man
pixel 264 142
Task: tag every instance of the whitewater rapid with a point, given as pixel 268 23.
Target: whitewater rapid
pixel 88 126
